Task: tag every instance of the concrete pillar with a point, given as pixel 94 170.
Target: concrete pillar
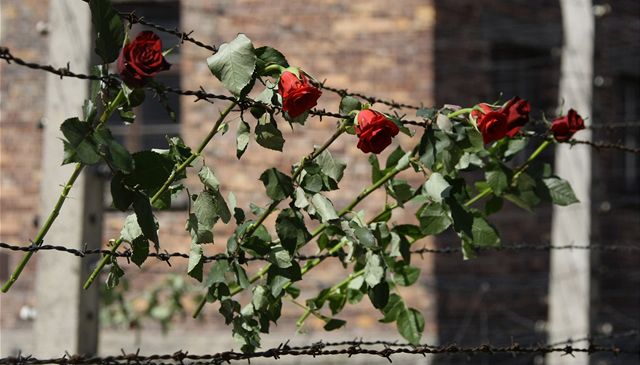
pixel 569 279
pixel 67 318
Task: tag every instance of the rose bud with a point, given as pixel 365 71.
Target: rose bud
pixel 374 131
pixel 517 111
pixel 492 124
pixel 298 95
pixel 564 127
pixel 141 59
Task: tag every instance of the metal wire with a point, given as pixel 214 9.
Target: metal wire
pixel 349 348
pixel 166 256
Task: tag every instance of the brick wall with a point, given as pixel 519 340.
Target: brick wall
pixel 21 110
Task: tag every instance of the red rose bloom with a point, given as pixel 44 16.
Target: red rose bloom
pixel 374 131
pixel 141 59
pixel 564 127
pixel 495 124
pixel 517 112
pixel 298 95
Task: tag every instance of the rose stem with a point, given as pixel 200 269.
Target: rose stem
pixel 164 188
pixel 111 107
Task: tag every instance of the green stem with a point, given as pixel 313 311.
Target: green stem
pixel 174 174
pixel 111 107
pixel 517 173
pixel 45 228
pixel 459 112
pixel 296 174
pixel 272 68
pixel 313 263
pixel 365 193
pixel 333 289
pixel 533 156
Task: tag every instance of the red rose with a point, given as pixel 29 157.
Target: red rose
pixel 564 127
pixel 374 131
pixel 517 112
pixel 298 95
pixel 141 59
pixel 495 124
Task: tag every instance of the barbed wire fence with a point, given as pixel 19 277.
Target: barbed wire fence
pixel 245 103
pixel 167 256
pixel 384 349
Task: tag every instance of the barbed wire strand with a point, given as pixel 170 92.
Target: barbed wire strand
pixel 166 256
pixel 201 94
pixel 351 348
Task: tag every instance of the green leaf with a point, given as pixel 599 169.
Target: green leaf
pixel 78 145
pixel 131 229
pixel 349 104
pixel 291 229
pixel 280 256
pixel 112 151
pixel 134 97
pixel 405 275
pixel 115 273
pixel 195 261
pixel 331 167
pixel 268 135
pixel 241 276
pixel 395 306
pixel 365 237
pixel 410 324
pixel 278 185
pixel 301 199
pixel 217 272
pixel 334 324
pixel 260 297
pixel 121 195
pixel 373 270
pixel 337 301
pixel 312 183
pixel 144 215
pixel 89 111
pixel 222 210
pixel 140 250
pixel 242 138
pixel 434 219
pixel 484 235
pixel 151 170
pixel 493 205
pixel 109 29
pixel 401 191
pixel 208 178
pixel 203 218
pixel 426 113
pixel 497 180
pixel 324 208
pixel 234 64
pixel 514 146
pixel 560 191
pixel 270 56
pixel 394 158
pixel 437 188
pixel 379 295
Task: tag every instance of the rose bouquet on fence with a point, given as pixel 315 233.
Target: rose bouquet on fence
pixel 448 143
